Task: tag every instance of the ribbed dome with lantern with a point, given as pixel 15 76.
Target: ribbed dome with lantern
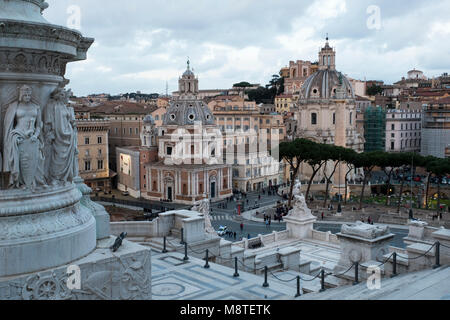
pixel 327 83
pixel 187 109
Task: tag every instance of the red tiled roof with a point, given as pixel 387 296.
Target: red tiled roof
pixel 284 96
pixel 359 98
pixel 121 107
pixel 445 100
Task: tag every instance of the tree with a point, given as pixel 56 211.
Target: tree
pixel 317 157
pixel 428 165
pixel 242 85
pixel 260 95
pixel 336 154
pixel 368 161
pixel 268 93
pixel 404 160
pixel 349 158
pixel 440 168
pixel 294 153
pixel 388 163
pixel 374 90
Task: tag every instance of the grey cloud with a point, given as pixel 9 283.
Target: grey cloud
pixel 188 25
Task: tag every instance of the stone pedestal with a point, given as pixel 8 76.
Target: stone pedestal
pixel 362 243
pixel 300 228
pixel 103 275
pixel 300 221
pixel 99 213
pixel 290 258
pixel 43 230
pixel 46 223
pixel 443 236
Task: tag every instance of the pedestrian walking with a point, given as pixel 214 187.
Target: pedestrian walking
pixel 267 223
pixel 234 234
pixel 322 215
pixel 242 227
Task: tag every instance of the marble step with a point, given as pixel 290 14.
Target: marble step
pixel 427 284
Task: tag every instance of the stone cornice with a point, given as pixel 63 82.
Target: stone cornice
pixel 45 33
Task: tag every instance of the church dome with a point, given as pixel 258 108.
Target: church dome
pixel 187 112
pixel 188 73
pixel 149 119
pixel 326 84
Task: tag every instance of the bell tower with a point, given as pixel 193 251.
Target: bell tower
pixel 327 57
pixel 188 84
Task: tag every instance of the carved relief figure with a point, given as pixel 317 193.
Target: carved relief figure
pixel 23 156
pixel 61 139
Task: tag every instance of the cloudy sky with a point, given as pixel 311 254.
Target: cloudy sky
pixel 142 44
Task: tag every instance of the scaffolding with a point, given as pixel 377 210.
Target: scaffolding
pixel 375 129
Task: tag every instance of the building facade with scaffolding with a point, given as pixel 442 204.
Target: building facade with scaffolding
pixel 374 129
pixel 436 128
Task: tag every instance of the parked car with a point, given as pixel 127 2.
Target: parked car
pixel 125 193
pixel 222 230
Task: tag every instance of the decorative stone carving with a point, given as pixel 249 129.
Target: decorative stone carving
pixel 125 275
pixel 362 243
pixel 60 138
pixel 23 142
pixel 365 231
pixel 203 207
pixel 47 287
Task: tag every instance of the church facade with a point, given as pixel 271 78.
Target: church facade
pixel 181 161
pixel 326 111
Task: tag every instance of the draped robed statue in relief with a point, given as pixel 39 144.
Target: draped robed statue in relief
pixel 60 139
pixel 22 142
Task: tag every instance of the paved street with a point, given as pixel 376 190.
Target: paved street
pixel 252 198
pixel 226 216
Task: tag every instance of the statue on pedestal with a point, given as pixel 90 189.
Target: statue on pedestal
pixel 300 208
pixel 203 207
pixel 23 154
pixel 61 139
